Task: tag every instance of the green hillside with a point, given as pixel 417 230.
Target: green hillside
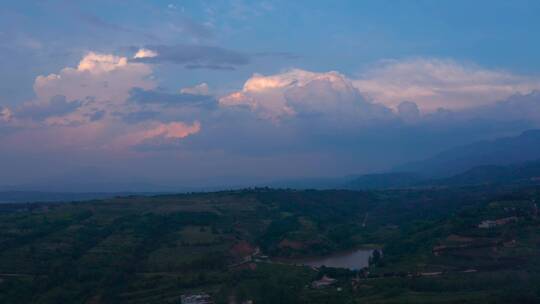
pixel 155 249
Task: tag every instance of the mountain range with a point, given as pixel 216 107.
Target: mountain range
pixel 505 160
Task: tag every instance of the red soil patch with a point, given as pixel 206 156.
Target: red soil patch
pixel 242 249
pixel 291 244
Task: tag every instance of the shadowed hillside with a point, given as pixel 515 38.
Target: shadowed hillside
pixel 500 152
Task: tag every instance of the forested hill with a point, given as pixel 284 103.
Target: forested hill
pixel 155 249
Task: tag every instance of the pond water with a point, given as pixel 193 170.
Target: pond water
pixel 353 260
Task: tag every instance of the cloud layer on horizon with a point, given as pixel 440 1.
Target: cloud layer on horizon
pixel 111 107
pixel 437 83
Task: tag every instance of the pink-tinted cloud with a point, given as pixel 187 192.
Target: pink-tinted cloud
pixel 101 76
pixel 200 89
pixel 172 131
pixel 100 85
pixel 436 83
pixel 84 106
pixel 145 53
pixel 429 83
pixel 5 114
pixel 299 92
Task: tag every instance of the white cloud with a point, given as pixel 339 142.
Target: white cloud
pixel 101 76
pixel 200 89
pixel 101 81
pixel 101 63
pixel 145 53
pixel 171 131
pixel 94 98
pixel 5 114
pixel 300 92
pixel 435 83
pixel 429 83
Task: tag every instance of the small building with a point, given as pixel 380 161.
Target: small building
pixel 487 224
pixel 499 222
pixel 202 298
pixel 470 270
pixel 325 281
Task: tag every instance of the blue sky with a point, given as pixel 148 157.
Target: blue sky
pixel 324 35
pixel 225 88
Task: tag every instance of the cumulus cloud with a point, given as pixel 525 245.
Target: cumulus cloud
pixel 56 106
pixel 326 111
pixel 408 111
pixel 200 89
pixel 110 105
pixel 145 53
pixel 108 100
pixel 518 107
pixel 99 84
pixel 101 76
pixel 303 93
pixel 5 114
pixel 408 87
pixel 194 56
pixel 435 83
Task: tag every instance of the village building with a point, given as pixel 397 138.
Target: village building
pixel 325 281
pixel 499 222
pixel 197 299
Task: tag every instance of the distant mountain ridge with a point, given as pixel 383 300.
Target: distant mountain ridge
pixel 524 173
pixel 40 196
pixel 499 152
pixel 379 181
pixel 504 160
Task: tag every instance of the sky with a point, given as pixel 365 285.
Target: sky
pixel 148 95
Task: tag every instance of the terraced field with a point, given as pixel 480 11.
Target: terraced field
pixel 227 244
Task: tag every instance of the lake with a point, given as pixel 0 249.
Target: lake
pixel 353 260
